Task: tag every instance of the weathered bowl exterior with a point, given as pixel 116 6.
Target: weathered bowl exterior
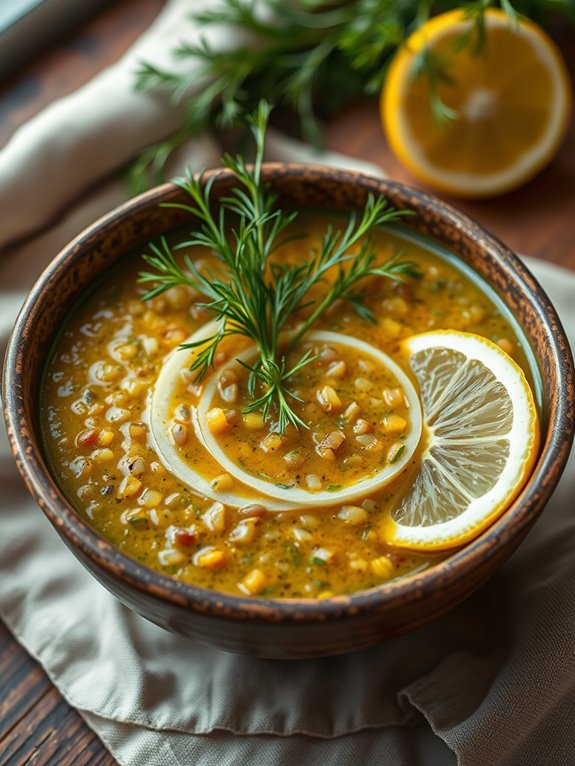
pixel 291 628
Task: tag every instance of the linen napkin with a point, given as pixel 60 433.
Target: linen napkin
pixel 493 682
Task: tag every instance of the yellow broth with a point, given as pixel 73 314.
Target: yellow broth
pixel 93 413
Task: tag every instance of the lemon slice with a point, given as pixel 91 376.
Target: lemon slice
pixel 512 101
pixel 482 440
pixel 304 497
pixel 159 415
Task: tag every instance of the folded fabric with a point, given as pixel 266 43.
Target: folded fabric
pixel 495 678
pixel 493 682
pixel 82 138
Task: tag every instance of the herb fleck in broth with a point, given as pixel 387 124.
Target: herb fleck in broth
pixel 96 432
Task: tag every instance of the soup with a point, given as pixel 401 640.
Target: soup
pixel 126 424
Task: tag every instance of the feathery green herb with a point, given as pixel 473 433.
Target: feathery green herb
pixel 251 296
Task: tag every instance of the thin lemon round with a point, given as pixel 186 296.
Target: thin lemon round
pixel 481 437
pixel 306 498
pixel 159 415
pixel 512 101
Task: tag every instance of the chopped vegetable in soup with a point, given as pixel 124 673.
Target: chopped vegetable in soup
pixel 121 465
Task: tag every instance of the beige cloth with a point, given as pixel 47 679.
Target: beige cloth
pixel 492 683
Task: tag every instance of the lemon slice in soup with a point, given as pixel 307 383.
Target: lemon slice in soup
pixel 175 435
pixel 363 414
pixel 482 433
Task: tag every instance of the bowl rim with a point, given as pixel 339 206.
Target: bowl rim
pixel 513 523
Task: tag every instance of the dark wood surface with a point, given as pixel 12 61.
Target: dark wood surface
pixel 36 724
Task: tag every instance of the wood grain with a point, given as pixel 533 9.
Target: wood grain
pixel 36 724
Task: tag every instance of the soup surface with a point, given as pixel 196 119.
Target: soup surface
pixel 95 408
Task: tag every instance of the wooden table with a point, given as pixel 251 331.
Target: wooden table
pixel 36 725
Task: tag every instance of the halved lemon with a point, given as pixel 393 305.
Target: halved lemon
pixel 482 439
pixel 511 99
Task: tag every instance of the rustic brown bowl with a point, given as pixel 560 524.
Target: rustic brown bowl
pixel 290 628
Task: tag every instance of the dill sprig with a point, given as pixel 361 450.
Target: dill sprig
pixel 254 297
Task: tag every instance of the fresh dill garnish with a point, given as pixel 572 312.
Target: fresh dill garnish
pixel 255 297
pixel 308 55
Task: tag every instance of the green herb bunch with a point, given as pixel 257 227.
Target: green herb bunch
pixel 253 297
pixel 309 55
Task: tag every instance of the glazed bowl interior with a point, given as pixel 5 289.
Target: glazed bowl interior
pixel 288 628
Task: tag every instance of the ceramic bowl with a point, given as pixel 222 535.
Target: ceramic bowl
pixel 290 628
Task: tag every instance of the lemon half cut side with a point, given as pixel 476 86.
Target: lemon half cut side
pixel 511 102
pixel 482 439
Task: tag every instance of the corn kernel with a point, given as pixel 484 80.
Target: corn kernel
pixel 353 515
pixel 396 306
pixel 212 558
pixel 391 328
pixel 362 426
pixel 134 387
pixel 222 483
pixel 309 520
pixel 174 337
pixel 254 582
pixel 171 557
pixel 126 351
pixel 150 345
pixel 337 369
pixel 394 424
pixel 326 453
pixel 244 532
pixel 216 421
pixel 313 482
pixel 103 455
pixel 118 415
pixel 271 443
pixel 301 535
pixel 137 431
pixel 105 438
pixel 382 567
pixel 130 486
pixel 359 565
pixel 107 372
pixel 253 421
pixel 150 498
